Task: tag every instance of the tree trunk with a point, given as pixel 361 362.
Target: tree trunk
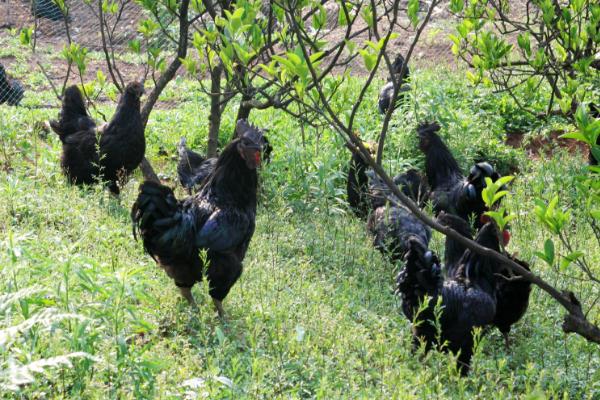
pixel 164 79
pixel 244 110
pixel 214 122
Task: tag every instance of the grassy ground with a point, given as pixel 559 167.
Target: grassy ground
pixel 85 314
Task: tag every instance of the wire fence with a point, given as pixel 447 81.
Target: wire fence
pixel 52 30
pixel 109 46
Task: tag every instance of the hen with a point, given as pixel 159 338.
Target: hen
pixel 454 249
pixel 109 152
pixel 387 91
pixel 450 190
pixel 73 115
pixel 393 225
pixel 357 186
pixel 193 168
pixel 512 294
pixel 467 299
pixel 11 90
pixel 219 219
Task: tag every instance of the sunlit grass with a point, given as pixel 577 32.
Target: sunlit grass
pixel 313 315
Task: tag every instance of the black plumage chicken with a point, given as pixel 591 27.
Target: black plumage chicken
pixel 219 219
pixel 11 90
pixel 192 168
pixel 467 299
pixel 512 291
pixel 450 190
pixel 512 294
pixel 109 152
pixel 391 224
pixel 454 250
pixel 73 116
pixel 357 186
pixel 387 91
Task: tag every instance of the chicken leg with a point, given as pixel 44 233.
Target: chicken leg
pixel 506 340
pixel 219 306
pixel 186 292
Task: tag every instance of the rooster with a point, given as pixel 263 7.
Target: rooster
pixel 467 299
pixel 512 291
pixel 450 190
pixel 193 168
pixel 387 91
pixel 219 219
pixel 108 152
pixel 11 90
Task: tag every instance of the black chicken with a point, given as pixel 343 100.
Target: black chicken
pixel 391 224
pixel 467 299
pixel 219 219
pixel 512 292
pixel 450 190
pixel 387 92
pixel 73 115
pixel 109 152
pixel 453 249
pixel 11 90
pixel 512 295
pixel 193 168
pixel 357 186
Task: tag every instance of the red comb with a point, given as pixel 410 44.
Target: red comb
pixel 257 158
pixel 506 236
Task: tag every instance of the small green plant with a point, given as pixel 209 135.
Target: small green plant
pixel 492 194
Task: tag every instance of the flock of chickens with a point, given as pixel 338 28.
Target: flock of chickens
pixel 445 302
pixel 207 234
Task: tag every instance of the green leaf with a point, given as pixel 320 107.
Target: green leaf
pixel 567 260
pixel 413 12
pixel 367 16
pixel 575 135
pixel 135 46
pixel 369 59
pixel 25 36
pixel 342 20
pixel 457 6
pixel 549 251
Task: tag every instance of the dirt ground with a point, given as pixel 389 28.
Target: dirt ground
pixel 434 47
pixel 544 146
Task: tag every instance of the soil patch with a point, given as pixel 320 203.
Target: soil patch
pixel 545 146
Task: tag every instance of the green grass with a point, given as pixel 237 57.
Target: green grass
pixel 313 315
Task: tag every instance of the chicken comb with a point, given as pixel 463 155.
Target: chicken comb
pixel 243 129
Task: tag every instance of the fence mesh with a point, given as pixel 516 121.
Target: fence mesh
pixel 52 31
